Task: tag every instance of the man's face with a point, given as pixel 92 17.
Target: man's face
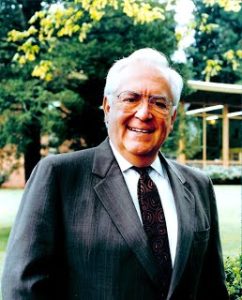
pixel 138 133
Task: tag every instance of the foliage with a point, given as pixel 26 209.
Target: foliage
pixel 8 162
pixel 64 96
pixel 216 53
pixel 227 5
pixel 69 19
pixel 20 114
pixel 3 177
pixel 84 66
pixel 233 273
pixel 186 129
pixel 74 72
pixel 68 47
pixel 224 175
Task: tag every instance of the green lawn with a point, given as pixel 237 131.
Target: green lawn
pixel 229 211
pixel 229 208
pixel 4 233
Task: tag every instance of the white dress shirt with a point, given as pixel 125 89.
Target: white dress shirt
pixel 159 176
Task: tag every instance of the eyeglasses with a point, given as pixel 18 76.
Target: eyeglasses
pixel 132 100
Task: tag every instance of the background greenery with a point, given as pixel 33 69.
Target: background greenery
pixel 53 65
pixel 233 277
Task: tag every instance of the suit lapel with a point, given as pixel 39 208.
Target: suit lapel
pixel 112 191
pixel 185 206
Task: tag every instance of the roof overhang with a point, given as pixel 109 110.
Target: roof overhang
pixel 215 87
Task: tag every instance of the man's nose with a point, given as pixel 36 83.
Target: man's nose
pixel 143 111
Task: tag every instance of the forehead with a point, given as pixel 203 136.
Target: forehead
pixel 143 79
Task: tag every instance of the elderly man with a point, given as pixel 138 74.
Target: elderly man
pixel 120 221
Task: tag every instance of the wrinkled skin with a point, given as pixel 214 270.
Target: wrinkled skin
pixel 139 134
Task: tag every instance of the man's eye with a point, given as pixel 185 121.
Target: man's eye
pixel 130 99
pixel 161 104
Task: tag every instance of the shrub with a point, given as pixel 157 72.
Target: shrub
pixel 233 277
pixel 223 175
pixel 3 177
pixel 8 162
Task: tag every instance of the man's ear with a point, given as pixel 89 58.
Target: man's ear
pixel 106 109
pixel 173 118
pixel 106 105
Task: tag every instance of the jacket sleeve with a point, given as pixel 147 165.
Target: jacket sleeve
pixel 212 283
pixel 32 258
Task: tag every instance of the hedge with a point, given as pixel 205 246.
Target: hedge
pixel 233 277
pixel 224 175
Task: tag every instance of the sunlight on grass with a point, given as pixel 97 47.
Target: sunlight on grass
pixel 4 233
pixel 9 202
pixel 229 210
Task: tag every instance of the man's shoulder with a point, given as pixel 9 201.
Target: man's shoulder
pixel 82 161
pixel 70 158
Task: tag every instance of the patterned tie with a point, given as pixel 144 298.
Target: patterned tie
pixel 155 226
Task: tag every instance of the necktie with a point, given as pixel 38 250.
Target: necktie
pixel 155 227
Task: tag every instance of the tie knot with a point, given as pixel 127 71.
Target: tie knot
pixel 142 171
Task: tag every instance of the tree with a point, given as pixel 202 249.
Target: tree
pixel 20 121
pixel 83 68
pixel 216 53
pixel 68 49
pixel 74 18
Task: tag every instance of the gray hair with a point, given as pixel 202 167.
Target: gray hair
pixel 148 57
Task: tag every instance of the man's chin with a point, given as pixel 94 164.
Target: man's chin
pixel 141 151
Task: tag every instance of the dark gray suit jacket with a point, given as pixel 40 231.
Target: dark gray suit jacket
pixel 77 235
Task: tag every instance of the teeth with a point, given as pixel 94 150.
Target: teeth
pixel 139 130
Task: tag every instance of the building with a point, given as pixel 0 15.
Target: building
pixel 221 104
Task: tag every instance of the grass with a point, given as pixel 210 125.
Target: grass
pixel 9 201
pixel 229 211
pixel 4 233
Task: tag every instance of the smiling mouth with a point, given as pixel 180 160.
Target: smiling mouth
pixel 140 130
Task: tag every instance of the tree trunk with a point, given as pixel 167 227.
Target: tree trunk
pixel 32 150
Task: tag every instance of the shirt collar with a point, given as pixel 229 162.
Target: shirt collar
pixel 157 166
pixel 125 165
pixel 122 162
